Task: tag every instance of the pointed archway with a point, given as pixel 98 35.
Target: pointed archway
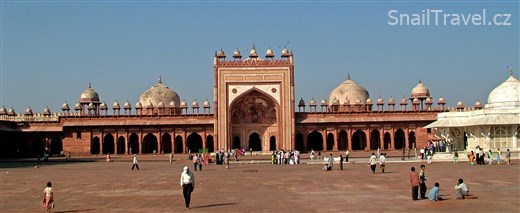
pixel 342 140
pixel 315 141
pixel 272 143
pixel 108 144
pixel 399 139
pixel 210 144
pixel 411 140
pixel 255 142
pixel 94 146
pixel 387 141
pixel 359 140
pixel 133 144
pixel 166 143
pixel 149 143
pixel 299 142
pixel 121 145
pixel 330 142
pixel 56 146
pixel 256 110
pixel 178 145
pixel 375 140
pixel 194 142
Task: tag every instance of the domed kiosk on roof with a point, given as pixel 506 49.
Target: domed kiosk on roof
pixel 159 93
pixel 349 90
pixel 506 95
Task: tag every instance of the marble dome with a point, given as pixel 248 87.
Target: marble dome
pixel 159 93
pixel 506 95
pixel 420 91
pixel 349 90
pixel 89 95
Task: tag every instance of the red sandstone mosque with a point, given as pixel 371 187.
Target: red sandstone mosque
pixel 253 107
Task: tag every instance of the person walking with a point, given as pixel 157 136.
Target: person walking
pixel 490 157
pixel 341 162
pixel 196 161
pixel 499 153
pixel 372 162
pixel 170 157
pixel 48 197
pixel 136 165
pixel 508 156
pixel 346 156
pixel 455 156
pixel 422 176
pixel 382 160
pixel 187 184
pixel 414 182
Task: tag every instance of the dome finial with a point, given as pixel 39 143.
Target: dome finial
pixel 348 76
pixel 510 70
pixel 160 80
pixel 420 81
pixel 89 85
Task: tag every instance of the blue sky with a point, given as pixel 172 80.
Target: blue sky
pixel 51 50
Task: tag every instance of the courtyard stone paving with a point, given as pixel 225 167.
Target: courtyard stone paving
pixel 92 185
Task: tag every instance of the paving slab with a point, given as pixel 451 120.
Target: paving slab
pixel 97 186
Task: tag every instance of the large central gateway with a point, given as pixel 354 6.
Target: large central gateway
pixel 255 101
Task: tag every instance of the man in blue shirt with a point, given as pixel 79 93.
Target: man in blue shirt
pixel 434 193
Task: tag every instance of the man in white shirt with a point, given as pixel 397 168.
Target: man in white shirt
pixel 187 184
pixel 461 189
pixel 373 163
pixel 382 160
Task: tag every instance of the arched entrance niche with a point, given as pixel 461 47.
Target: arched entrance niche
pixel 38 147
pixel 342 140
pixel 387 141
pixel 359 140
pixel 108 144
pixel 299 142
pixel 255 142
pixel 314 141
pixel 375 140
pixel 166 143
pixel 254 110
pixel 272 143
pixel 178 145
pixel 94 146
pixel 330 141
pixel 121 145
pixel 194 142
pixel 411 140
pixel 56 146
pixel 149 143
pixel 236 143
pixel 399 139
pixel 133 144
pixel 210 145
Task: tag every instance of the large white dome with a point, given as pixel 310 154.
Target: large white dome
pixel 351 91
pixel 157 94
pixel 506 95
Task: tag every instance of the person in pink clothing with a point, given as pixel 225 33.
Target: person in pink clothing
pixel 48 197
pixel 414 182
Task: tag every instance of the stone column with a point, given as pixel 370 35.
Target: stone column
pixel 324 138
pixel 140 142
pixel 392 141
pixel 382 139
pixel 350 134
pixel 335 148
pixel 367 138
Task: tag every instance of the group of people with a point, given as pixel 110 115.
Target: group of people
pixel 479 156
pixel 418 184
pixel 374 159
pixel 285 157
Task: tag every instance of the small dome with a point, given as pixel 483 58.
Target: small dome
pixel 347 102
pixel 89 95
pixel 478 103
pixel 237 54
pixel 369 101
pixel 127 105
pixel 159 93
pixel 428 100
pixel 285 52
pixel 91 106
pixel 65 106
pixel 380 101
pixel 420 91
pixel 403 101
pixel 313 102
pixel 206 104
pixel 149 105
pixel 252 53
pixel 391 101
pixel 78 106
pixel 195 104
pixel 184 104
pixel 335 102
pixel 460 105
pixel 172 104
pixel 301 102
pixel 46 111
pixel 221 54
pixel 138 105
pixel 28 111
pixel 506 95
pixel 416 101
pixel 11 111
pixel 441 100
pixel 269 53
pixel 161 105
pixel 3 111
pixel 103 106
pixel 324 101
pixel 349 90
pixel 116 105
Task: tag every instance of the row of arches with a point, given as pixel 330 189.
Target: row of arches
pixel 359 140
pixel 255 142
pixel 149 144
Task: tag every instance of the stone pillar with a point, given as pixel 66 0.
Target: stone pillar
pixel 184 142
pixel 305 134
pixel 392 141
pixel 367 138
pixel 382 139
pixel 159 140
pixel 140 142
pixel 204 139
pixel 350 134
pixel 324 138
pixel 335 148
